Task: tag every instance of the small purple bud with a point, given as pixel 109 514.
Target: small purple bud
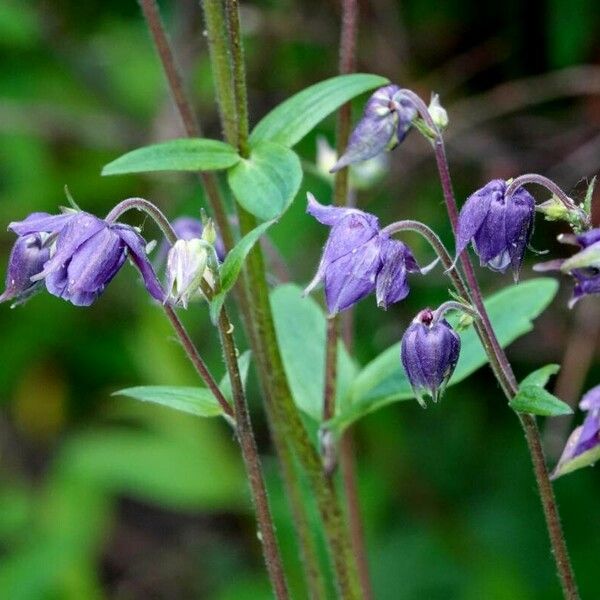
pixel 392 283
pixel 583 266
pixel 584 439
pixel 86 254
pixel 26 260
pixel 429 352
pixel 499 228
pixel 386 121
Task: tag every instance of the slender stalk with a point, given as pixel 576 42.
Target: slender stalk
pixel 196 360
pixel 284 415
pixel 188 116
pixel 532 434
pixel 252 461
pixel 341 197
pixel 544 182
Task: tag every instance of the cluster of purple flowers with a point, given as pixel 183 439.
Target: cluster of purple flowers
pixel 75 255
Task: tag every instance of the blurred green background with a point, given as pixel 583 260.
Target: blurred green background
pixel 102 498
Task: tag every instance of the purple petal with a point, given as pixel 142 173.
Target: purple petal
pixel 26 260
pixel 490 241
pixel 77 230
pixel 589 438
pixel 519 226
pixel 326 214
pixel 588 238
pixel 391 285
pixel 352 277
pixel 591 399
pixel 474 212
pixel 41 222
pixel 137 253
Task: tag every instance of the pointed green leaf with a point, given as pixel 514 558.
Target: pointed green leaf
pixel 537 401
pixel 266 183
pixel 383 380
pixel 232 266
pixel 289 122
pixel 193 400
pixel 540 376
pixel 301 325
pixel 193 154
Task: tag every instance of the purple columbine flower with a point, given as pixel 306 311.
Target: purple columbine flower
pixel 429 352
pixel 585 439
pixel 386 121
pixel 86 253
pixel 359 259
pixel 499 228
pixel 583 266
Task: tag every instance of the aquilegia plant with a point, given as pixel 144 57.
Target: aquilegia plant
pixel 207 264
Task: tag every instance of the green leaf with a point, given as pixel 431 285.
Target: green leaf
pixel 194 154
pixel 537 401
pixel 193 400
pixel 383 380
pixel 289 122
pixel 301 325
pixel 232 266
pixel 225 384
pixel 540 377
pixel 266 183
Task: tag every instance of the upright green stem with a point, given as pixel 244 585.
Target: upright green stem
pixel 186 112
pixel 283 413
pixel 506 377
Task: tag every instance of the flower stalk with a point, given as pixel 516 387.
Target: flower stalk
pixel 505 374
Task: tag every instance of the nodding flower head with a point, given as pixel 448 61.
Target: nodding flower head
pixel 498 227
pixel 359 259
pixel 85 253
pixel 386 121
pixel 583 266
pixel 584 443
pixel 429 352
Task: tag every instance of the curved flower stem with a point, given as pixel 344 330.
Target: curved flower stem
pixel 505 375
pixel 442 309
pixel 145 206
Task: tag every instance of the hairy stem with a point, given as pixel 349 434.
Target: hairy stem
pixel 188 117
pixel 506 377
pixel 283 414
pixel 252 461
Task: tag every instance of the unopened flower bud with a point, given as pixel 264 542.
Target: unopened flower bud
pixel 429 352
pixel 186 266
pixel 209 234
pixel 386 121
pixel 498 227
pixel 438 112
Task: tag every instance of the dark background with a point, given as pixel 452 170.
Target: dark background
pixel 102 498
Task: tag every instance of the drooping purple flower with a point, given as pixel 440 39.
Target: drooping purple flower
pixel 498 227
pixel 359 259
pixel 584 443
pixel 429 352
pixel 583 266
pixel 386 121
pixel 85 255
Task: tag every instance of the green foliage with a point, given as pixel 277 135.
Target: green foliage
pixel 301 330
pixel 232 266
pixel 383 380
pixel 192 400
pixel 289 122
pixel 540 376
pixel 195 154
pixel 536 400
pixel 266 183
